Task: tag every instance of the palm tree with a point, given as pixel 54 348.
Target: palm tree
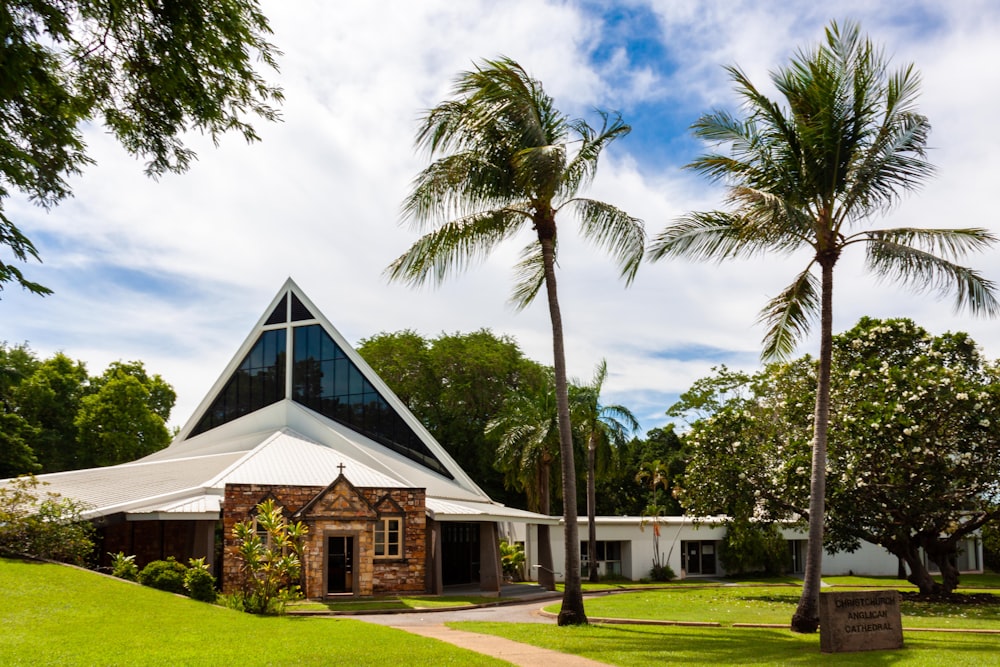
pixel 506 159
pixel 807 176
pixel 527 432
pixel 605 428
pixel 658 474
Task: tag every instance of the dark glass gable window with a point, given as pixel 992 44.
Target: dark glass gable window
pixel 325 380
pixel 258 382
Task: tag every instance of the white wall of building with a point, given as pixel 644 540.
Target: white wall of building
pixel 691 547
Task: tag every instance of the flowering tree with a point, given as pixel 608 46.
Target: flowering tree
pixel 914 458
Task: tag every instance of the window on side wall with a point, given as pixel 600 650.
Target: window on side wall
pixel 389 537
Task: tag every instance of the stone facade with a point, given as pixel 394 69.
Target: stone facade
pixel 340 510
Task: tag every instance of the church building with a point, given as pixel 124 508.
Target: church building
pixel 297 416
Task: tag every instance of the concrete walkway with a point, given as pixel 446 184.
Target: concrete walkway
pixel 524 655
pixel 525 607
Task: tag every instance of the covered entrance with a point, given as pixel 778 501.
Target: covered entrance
pixel 459 553
pixel 339 564
pixel 699 556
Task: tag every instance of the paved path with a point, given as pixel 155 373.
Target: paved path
pixel 432 624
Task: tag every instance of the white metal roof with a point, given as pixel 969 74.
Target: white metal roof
pixel 284 443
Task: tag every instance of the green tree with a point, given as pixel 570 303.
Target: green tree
pixel 507 159
pixel 527 432
pixel 48 401
pixel 809 175
pixel 16 454
pixel 149 71
pixel 455 384
pixel 605 429
pixel 402 360
pixel 124 418
pixel 913 462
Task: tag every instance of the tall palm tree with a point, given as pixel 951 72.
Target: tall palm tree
pixel 505 159
pixel 605 429
pixel 807 176
pixel 527 431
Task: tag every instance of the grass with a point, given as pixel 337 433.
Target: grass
pixel 657 645
pixel 54 615
pixel 767 604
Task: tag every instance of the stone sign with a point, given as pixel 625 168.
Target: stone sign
pixel 859 621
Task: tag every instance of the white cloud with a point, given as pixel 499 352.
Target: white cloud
pixel 318 198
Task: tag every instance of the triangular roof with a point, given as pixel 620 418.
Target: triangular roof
pixel 294 427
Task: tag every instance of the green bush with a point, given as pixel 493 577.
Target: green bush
pixel 661 573
pixel 754 548
pixel 124 567
pixel 165 575
pixel 42 525
pixel 199 582
pixel 512 560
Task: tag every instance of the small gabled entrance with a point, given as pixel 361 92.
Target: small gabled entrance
pixel 339 564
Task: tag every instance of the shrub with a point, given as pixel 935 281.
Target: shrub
pixel 269 565
pixel 751 548
pixel 199 582
pixel 42 525
pixel 165 575
pixel 512 560
pixel 124 567
pixel 661 572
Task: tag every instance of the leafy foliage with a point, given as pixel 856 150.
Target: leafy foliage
pixel 914 455
pixel 270 563
pixel 661 572
pixel 456 384
pixel 605 429
pixel 150 72
pixel 754 548
pixel 55 417
pixel 124 416
pixel 199 582
pixel 806 173
pixel 512 560
pixel 124 567
pixel 42 525
pixel 504 159
pixel 165 575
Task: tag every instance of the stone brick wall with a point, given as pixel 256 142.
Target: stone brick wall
pixel 338 509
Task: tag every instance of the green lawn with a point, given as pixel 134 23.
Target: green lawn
pixel 765 604
pixel 642 646
pixel 53 615
pixel 729 603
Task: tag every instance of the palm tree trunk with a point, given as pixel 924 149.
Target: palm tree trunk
pixel 571 612
pixel 546 572
pixel 592 510
pixel 806 617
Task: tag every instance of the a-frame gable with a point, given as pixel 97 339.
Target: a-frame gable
pixel 339 500
pixel 388 505
pixel 295 354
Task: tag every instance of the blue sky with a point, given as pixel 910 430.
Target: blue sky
pixel 175 272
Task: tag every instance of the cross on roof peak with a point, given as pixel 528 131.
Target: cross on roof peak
pixel 340 467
